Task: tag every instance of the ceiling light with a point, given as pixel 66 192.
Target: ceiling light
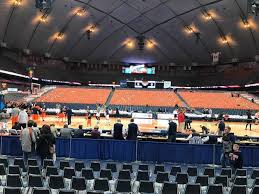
pixel 246 24
pixel 129 44
pixel 224 40
pixel 17 2
pixel 43 19
pixel 81 12
pixel 207 16
pixel 189 30
pixel 150 44
pixel 60 36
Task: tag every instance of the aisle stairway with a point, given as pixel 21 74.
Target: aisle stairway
pixel 107 103
pixel 250 97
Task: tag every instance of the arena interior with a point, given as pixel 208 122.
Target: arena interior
pixel 129 96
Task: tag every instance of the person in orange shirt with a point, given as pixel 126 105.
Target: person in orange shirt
pixel 181 120
pixel 15 113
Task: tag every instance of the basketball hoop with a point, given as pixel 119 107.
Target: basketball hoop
pixel 35 88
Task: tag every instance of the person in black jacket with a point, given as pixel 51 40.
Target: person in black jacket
pixel 133 131
pixel 172 131
pixel 69 113
pixel 78 133
pixel 117 130
pixel 236 158
pixel 46 143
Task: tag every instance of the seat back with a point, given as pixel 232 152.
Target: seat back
pixel 101 184
pixel 215 189
pixel 79 165
pixel 241 172
pixel 162 177
pixel 56 182
pixel 223 179
pixel 13 180
pixel 40 191
pixel 34 170
pixel 255 174
pixel 47 162
pixel 255 190
pixel 203 180
pixel 127 167
pixel 51 170
pixel 14 169
pixel 238 189
pixel 2 170
pixel 106 173
pixel 4 161
pixel 159 168
pixel 35 181
pixel 63 164
pixel 78 183
pixel 175 170
pixel 227 172
pixel 112 167
pixel 169 188
pixel 181 178
pixel 32 162
pixel 65 191
pixel 209 171
pixel 87 173
pixel 95 166
pixel 142 175
pixel 193 189
pixel 192 171
pixel 256 182
pixel 69 172
pixel 12 190
pixel 124 174
pixel 146 187
pixel 240 180
pixel 94 192
pixel 123 186
pixel 19 162
pixel 143 167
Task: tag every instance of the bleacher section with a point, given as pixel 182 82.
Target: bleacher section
pixel 76 97
pixel 145 100
pixel 218 101
pixel 14 96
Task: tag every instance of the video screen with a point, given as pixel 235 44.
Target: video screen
pixel 138 69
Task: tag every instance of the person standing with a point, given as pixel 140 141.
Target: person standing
pixel 221 126
pixel 236 158
pixel 15 114
pixel 118 130
pixel 23 118
pixel 181 120
pixel 69 114
pixel 95 133
pixel 133 130
pixel 4 116
pixel 27 141
pixel 249 119
pixel 172 130
pixel 66 132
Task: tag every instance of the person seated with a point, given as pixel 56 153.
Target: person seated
pixel 204 129
pixel 78 133
pixel 195 138
pixel 65 132
pixel 95 133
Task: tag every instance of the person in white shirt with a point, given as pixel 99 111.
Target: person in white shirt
pixel 23 118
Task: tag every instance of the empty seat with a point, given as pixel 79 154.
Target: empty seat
pixel 112 167
pixel 101 184
pixel 87 173
pixel 175 170
pixel 146 187
pixel 123 186
pixel 256 182
pixel 32 162
pixel 162 177
pixel 69 172
pixel 94 192
pixel 63 164
pixel 47 162
pixel 51 170
pixel 19 162
pixel 181 178
pixel 40 191
pixel 143 167
pixel 14 169
pixel 124 174
pixel 255 190
pixel 65 191
pixel 240 180
pixel 78 183
pixel 255 174
pixel 227 172
pixel 142 175
pixel 215 189
pixel 223 179
pixel 79 165
pixel 209 171
pixel 159 168
pixel 35 181
pixel 2 170
pixel 56 182
pixel 12 190
pixel 192 189
pixel 96 166
pixel 169 188
pixel 13 180
pixel 241 172
pixel 127 167
pixel 192 171
pixel 238 189
pixel 106 173
pixel 4 161
pixel 34 170
pixel 203 180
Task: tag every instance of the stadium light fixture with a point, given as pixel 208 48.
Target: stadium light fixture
pixel 150 44
pixel 43 19
pixel 60 36
pixel 189 29
pixel 246 24
pixel 207 16
pixel 81 12
pixel 17 2
pixel 224 40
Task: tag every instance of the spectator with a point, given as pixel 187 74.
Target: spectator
pixel 118 130
pixel 236 158
pixel 195 138
pixel 65 132
pixel 172 131
pixel 15 114
pixel 221 126
pixel 4 116
pixel 23 118
pixel 95 133
pixel 78 133
pixel 204 129
pixel 16 126
pixel 46 144
pixel 227 140
pixel 249 119
pixel 187 122
pixel 181 120
pixel 133 130
pixel 27 141
pixel 36 130
pixel 69 114
pixel 53 130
